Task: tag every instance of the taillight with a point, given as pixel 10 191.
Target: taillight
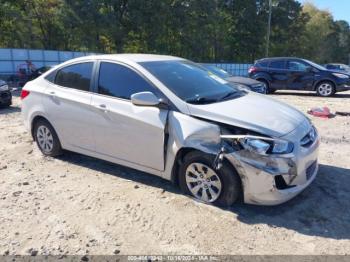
pixel 252 70
pixel 24 93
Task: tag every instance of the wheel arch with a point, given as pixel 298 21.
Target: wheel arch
pixel 325 80
pixel 179 158
pixel 34 121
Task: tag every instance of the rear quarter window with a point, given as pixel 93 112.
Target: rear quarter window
pixel 262 63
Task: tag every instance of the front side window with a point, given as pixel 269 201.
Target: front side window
pixel 296 66
pixel 191 82
pixel 120 81
pixel 277 64
pixel 77 76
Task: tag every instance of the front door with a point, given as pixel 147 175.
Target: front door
pixel 300 77
pixel 122 130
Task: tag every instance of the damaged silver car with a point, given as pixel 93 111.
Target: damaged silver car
pixel 169 117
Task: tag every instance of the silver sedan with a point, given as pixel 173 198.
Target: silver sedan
pixel 169 117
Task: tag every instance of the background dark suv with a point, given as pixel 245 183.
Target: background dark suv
pixel 298 74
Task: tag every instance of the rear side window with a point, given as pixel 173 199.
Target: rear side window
pixel 279 64
pixel 120 81
pixel 77 76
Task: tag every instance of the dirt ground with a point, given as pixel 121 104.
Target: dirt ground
pixel 80 205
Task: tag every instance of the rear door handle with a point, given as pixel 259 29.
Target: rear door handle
pixel 52 93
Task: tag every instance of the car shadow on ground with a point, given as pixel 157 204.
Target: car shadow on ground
pixel 321 210
pixel 309 94
pixel 9 110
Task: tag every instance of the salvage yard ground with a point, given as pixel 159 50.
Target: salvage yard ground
pixel 79 205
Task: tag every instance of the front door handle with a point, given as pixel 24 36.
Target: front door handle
pixel 102 107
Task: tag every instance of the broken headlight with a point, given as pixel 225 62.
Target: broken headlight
pixel 268 146
pixel 260 144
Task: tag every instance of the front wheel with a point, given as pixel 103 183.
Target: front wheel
pixel 325 89
pixel 199 179
pixel 47 139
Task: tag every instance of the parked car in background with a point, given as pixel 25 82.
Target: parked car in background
pixel 338 67
pixel 5 94
pixel 288 73
pixel 172 118
pixel 244 82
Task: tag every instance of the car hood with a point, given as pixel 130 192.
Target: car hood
pixel 242 80
pixel 338 72
pixel 254 112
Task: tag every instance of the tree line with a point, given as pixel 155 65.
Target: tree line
pixel 201 30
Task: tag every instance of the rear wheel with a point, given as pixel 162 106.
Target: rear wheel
pixel 267 84
pixel 325 89
pixel 47 139
pixel 199 179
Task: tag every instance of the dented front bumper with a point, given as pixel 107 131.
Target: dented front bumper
pixel 273 179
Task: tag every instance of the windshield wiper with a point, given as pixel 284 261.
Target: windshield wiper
pixel 228 95
pixel 201 100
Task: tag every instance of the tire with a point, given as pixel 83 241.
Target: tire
pixel 325 89
pixel 226 177
pixel 47 139
pixel 268 89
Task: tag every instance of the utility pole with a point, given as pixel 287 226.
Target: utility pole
pixel 268 30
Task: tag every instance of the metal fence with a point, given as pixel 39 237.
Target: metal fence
pixel 235 69
pixel 18 63
pixel 15 62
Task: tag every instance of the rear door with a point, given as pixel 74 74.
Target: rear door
pixel 278 73
pixel 122 130
pixel 67 102
pixel 300 77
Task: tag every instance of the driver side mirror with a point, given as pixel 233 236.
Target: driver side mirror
pixel 145 99
pixel 310 69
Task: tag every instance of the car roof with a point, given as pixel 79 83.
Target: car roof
pixel 278 58
pixel 336 64
pixel 130 57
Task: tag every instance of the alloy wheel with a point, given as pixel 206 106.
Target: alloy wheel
pixel 325 89
pixel 45 139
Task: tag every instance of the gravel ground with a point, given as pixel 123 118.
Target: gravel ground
pixel 80 205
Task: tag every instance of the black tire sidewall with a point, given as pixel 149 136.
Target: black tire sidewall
pixel 57 149
pixel 268 89
pixel 231 183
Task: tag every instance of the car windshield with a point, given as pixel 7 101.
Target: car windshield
pixel 216 70
pixel 191 82
pixel 319 67
pixel 345 67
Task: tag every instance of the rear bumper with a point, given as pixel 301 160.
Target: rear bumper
pixel 5 98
